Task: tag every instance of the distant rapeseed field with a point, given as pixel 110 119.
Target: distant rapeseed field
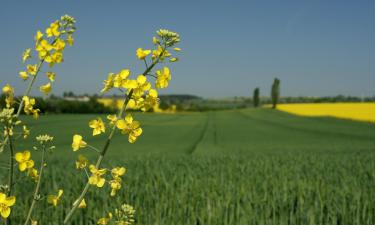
pixel 353 111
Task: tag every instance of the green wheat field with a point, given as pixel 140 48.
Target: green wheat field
pixel 242 167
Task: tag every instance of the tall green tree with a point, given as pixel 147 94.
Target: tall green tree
pixel 256 98
pixel 275 92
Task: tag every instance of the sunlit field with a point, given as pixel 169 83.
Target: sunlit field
pixel 242 167
pixel 352 111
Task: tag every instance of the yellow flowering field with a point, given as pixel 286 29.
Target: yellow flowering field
pixel 354 111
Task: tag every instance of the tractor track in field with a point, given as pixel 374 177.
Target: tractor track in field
pixel 310 131
pixel 202 134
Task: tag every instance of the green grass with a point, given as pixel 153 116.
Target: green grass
pixel 231 167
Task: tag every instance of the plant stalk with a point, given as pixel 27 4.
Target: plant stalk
pixel 108 142
pixel 36 192
pixel 11 174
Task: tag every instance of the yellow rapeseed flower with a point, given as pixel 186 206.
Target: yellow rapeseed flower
pixel 177 49
pixel 5 204
pixel 55 58
pixel 118 172
pixel 112 119
pixel 7 89
pixel 25 132
pixel 26 54
pixel 43 48
pixel 150 101
pixel 96 176
pixel 33 173
pixel 142 85
pixel 120 78
pixel 78 142
pixel 53 29
pixel 51 76
pixel 81 205
pixel 142 54
pixel 98 126
pixel 108 84
pixel 163 77
pixel 29 104
pixel 81 162
pixel 105 220
pixel 38 36
pixel 130 127
pixel 46 89
pixel 59 45
pixel 24 75
pixel 24 161
pixel 54 199
pixel 115 185
pixel 32 69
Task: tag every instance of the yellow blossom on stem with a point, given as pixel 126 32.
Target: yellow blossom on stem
pixel 108 84
pixel 24 161
pixel 118 172
pixel 115 185
pixel 150 101
pixel 105 220
pixel 81 162
pixel 54 199
pixel 7 89
pixel 78 142
pixel 9 92
pixel 51 76
pixel 46 89
pixel 177 49
pixel 5 204
pixel 26 54
pixel 53 29
pixel 55 58
pixel 98 126
pixel 29 104
pixel 142 54
pixel 112 118
pixel 141 86
pixel 33 173
pixel 24 75
pixel 43 48
pixel 96 176
pixel 25 132
pixel 81 205
pixel 31 69
pixel 130 127
pixel 59 45
pixel 163 78
pixel 121 78
pixel 38 36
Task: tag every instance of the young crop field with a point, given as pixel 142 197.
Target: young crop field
pixel 241 167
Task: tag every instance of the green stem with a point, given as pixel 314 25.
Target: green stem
pixel 107 143
pixel 11 173
pixel 36 192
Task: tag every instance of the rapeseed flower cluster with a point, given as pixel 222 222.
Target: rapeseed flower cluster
pixel 48 49
pixel 140 93
pixel 122 216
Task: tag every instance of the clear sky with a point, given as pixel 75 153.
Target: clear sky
pixel 316 48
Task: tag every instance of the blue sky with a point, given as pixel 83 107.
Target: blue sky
pixel 316 47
